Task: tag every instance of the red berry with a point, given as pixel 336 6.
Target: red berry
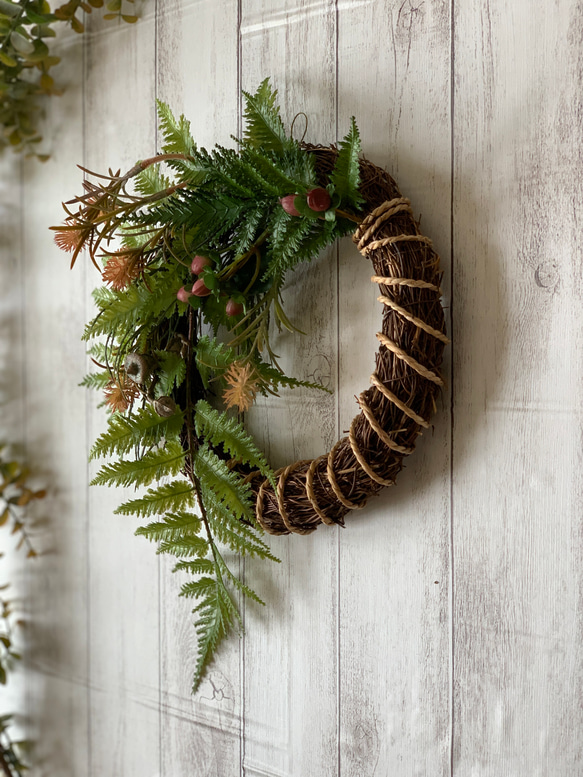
pixel 318 200
pixel 200 290
pixel 287 203
pixel 183 295
pixel 233 308
pixel 199 263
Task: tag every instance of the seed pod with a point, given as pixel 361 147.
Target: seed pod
pixel 318 200
pixel 183 295
pixel 165 406
pixel 199 263
pixel 199 289
pixel 288 204
pixel 136 367
pixel 233 308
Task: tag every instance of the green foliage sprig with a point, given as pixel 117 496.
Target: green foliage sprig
pixel 26 26
pixel 15 496
pixel 194 247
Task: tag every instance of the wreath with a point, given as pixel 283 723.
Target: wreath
pixel 194 257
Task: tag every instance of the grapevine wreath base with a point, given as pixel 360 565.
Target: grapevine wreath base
pixel 406 380
pixel 181 361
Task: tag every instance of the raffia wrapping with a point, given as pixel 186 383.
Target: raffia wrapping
pixel 405 383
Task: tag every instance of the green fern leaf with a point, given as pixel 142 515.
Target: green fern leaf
pixel 200 566
pixel 212 358
pixel 216 614
pixel 293 179
pixel 177 136
pixel 241 537
pixel 151 181
pixel 171 372
pixel 287 236
pixel 346 173
pixel 264 127
pixel 169 496
pixel 239 584
pixel 96 380
pixel 153 465
pixel 219 429
pixel 144 428
pixel 187 546
pixel 215 476
pixel 272 379
pixel 171 527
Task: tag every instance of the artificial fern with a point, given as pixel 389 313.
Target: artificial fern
pixel 180 357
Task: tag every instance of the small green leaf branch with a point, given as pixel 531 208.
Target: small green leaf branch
pixel 26 27
pixel 15 497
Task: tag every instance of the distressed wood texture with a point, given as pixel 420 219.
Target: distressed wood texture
pixel 439 634
pixel 123 612
pixel 517 485
pixel 394 556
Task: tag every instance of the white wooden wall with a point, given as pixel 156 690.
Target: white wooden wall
pixel 441 632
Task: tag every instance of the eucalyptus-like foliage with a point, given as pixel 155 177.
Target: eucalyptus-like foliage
pixel 194 257
pixel 26 28
pixel 16 495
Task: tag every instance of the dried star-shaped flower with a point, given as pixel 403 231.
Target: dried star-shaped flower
pixel 122 268
pixel 243 385
pixel 68 238
pixel 119 396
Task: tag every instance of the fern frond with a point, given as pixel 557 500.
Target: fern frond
pixel 216 477
pixel 296 177
pixel 171 371
pixel 219 429
pixel 200 566
pixel 212 357
pixel 241 537
pixel 272 379
pixel 188 546
pixel 136 304
pixel 264 128
pixel 153 465
pixel 239 584
pixel 346 173
pixel 144 428
pixel 216 614
pixel 288 234
pixel 177 136
pixel 96 380
pixel 151 181
pixel 169 496
pixel 171 527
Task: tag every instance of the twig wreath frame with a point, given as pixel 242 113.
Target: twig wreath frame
pixel 237 221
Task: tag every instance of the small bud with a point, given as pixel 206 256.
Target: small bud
pixel 136 367
pixel 318 200
pixel 199 263
pixel 183 295
pixel 199 289
pixel 287 203
pixel 165 406
pixel 233 308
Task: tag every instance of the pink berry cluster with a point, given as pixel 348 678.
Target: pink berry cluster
pixel 317 200
pixel 200 289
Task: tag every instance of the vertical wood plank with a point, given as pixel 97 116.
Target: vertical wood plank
pixel 291 647
pixel 517 487
pixel 123 572
pixel 53 316
pixel 393 75
pixel 12 412
pixel 197 74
